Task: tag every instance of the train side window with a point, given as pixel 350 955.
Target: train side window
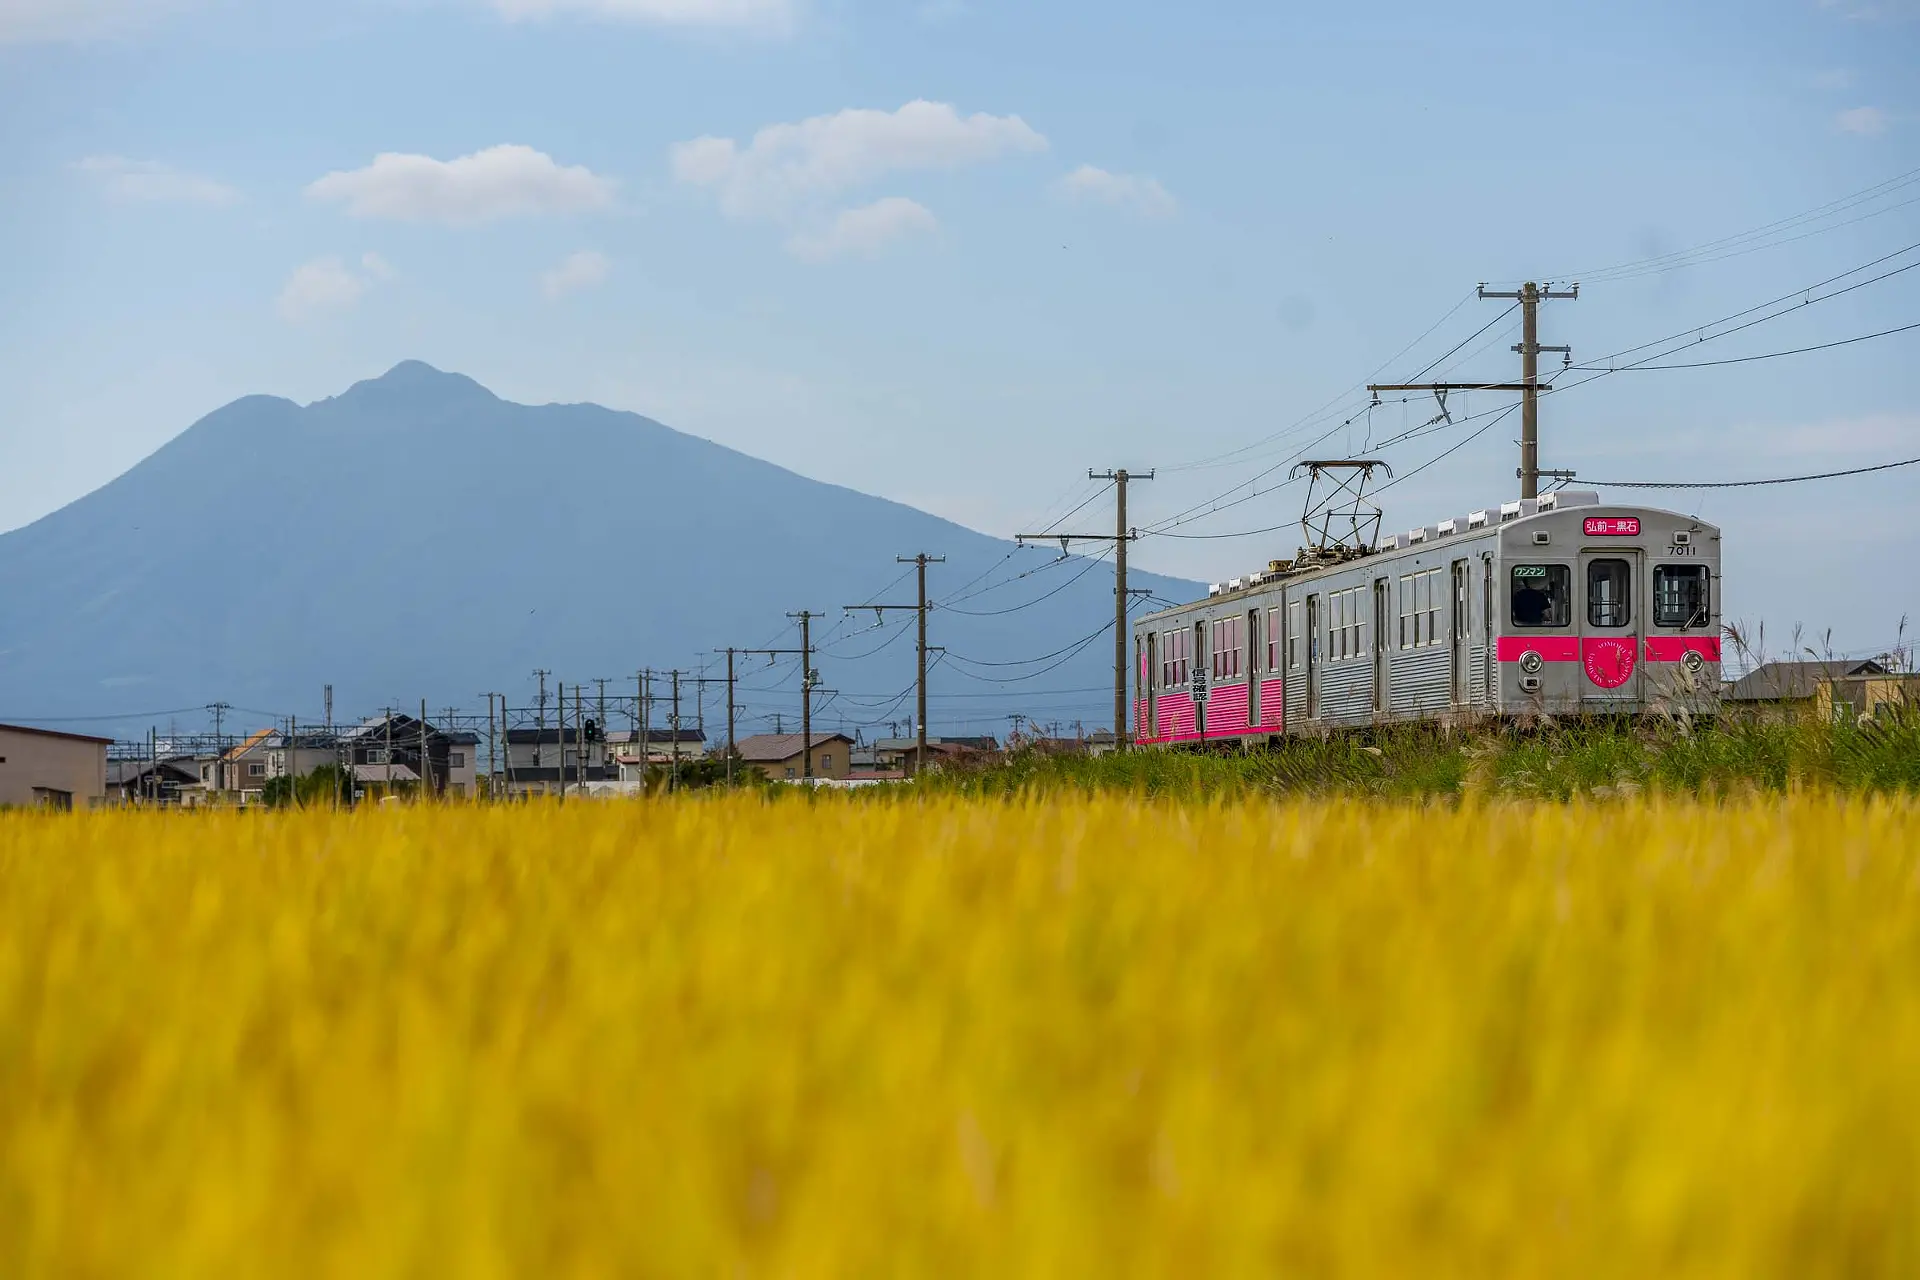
pixel 1273 640
pixel 1294 627
pixel 1681 596
pixel 1609 593
pixel 1541 595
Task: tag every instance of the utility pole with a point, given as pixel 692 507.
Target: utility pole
pixel 920 563
pixel 673 734
pixel 560 736
pixel 808 678
pixel 601 681
pixel 426 755
pixel 1122 598
pixel 491 740
pixel 219 710
pixel 389 751
pixel 730 717
pixel 540 716
pixel 580 749
pixel 643 719
pixel 1529 296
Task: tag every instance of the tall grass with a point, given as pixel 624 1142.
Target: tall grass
pixel 927 1034
pixel 1547 761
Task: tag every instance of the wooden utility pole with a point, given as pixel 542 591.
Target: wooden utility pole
pixel 540 716
pixel 490 742
pixel 1122 597
pixel 673 733
pixel 920 563
pixel 1529 296
pixel 730 678
pixel 808 679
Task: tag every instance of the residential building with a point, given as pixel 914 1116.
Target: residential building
pixel 1793 686
pixel 151 781
pixel 903 753
pixel 661 747
pixel 781 756
pixel 239 774
pixel 445 758
pixel 1868 697
pixel 52 769
pixel 543 761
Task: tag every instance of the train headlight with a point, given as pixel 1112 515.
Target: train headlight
pixel 1531 662
pixel 1695 661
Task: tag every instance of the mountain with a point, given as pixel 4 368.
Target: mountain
pixel 418 537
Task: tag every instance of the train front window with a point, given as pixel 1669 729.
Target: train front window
pixel 1680 596
pixel 1609 593
pixel 1541 595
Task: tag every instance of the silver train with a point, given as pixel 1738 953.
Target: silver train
pixel 1560 606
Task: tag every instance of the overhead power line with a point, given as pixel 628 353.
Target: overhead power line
pixel 1765 355
pixel 1746 484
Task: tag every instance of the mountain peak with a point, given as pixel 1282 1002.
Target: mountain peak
pixel 415 380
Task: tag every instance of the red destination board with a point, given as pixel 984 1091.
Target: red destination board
pixel 1611 526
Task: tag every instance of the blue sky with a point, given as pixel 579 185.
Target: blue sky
pixel 957 252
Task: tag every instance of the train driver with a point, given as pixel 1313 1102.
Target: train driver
pixel 1532 606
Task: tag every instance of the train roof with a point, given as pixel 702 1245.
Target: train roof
pixel 1315 561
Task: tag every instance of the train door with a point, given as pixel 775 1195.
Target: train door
pixel 1461 627
pixel 1382 671
pixel 1487 617
pixel 1252 668
pixel 1610 628
pixel 1313 656
pixel 1200 680
pixel 1150 686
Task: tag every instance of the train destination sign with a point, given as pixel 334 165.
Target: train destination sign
pixel 1611 526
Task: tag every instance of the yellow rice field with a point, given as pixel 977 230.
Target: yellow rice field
pixel 1093 1037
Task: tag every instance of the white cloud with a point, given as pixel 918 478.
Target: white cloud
pixel 151 182
pixel 1144 195
pixel 788 166
pixel 577 271
pixel 761 15
pixel 51 21
pixel 1866 121
pixel 866 230
pixel 329 284
pixel 499 182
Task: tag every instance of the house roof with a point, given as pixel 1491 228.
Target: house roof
pixel 1772 681
pixel 908 744
pixel 54 733
pixel 384 773
pixel 765 748
pixel 657 735
pixel 529 737
pixel 121 773
pixel 252 740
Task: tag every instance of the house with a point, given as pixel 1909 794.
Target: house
pixel 302 754
pixel 239 774
pixel 151 781
pixel 1793 685
pixel 44 767
pixel 1868 696
pixel 780 755
pixel 543 761
pixel 891 754
pixel 445 758
pixel 661 747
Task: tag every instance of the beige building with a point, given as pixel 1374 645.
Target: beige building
pixel 51 769
pixel 778 755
